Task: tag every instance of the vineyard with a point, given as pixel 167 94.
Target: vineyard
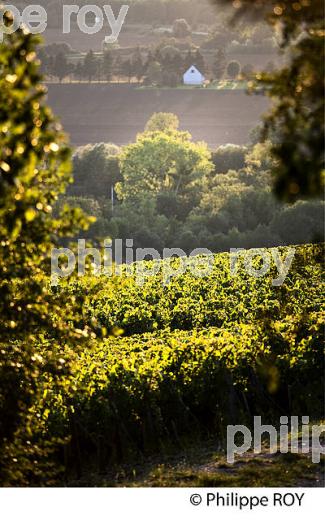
pixel 177 363
pixel 161 260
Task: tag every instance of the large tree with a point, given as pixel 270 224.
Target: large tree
pixel 163 161
pixel 36 325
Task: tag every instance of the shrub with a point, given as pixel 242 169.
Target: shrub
pixel 233 69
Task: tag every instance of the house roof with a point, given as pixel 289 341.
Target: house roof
pixel 193 69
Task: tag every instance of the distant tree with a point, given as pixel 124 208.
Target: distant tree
pixel 259 158
pixel 157 54
pixel 229 157
pixel 188 60
pixel 181 28
pixel 168 52
pixel 107 65
pixel 118 67
pixel 199 61
pixel 162 122
pixel 172 63
pixel 142 222
pixel 128 69
pixel 170 79
pixel 301 222
pixel 95 170
pixel 154 73
pixel 90 66
pixel 233 200
pixel 256 134
pixel 247 71
pixel 79 71
pixel 233 69
pixel 53 49
pixel 50 66
pixel 45 62
pixel 219 64
pixel 61 67
pixel 216 40
pixel 137 64
pixel 170 57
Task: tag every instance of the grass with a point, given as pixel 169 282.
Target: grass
pixel 220 85
pixel 282 470
pixel 204 467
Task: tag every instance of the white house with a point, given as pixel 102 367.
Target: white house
pixel 193 76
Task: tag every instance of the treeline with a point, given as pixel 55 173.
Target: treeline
pixel 164 190
pixel 163 66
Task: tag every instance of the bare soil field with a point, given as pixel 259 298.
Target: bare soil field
pixel 97 112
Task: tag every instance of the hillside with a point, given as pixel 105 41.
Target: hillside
pixel 178 363
pixel 94 113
